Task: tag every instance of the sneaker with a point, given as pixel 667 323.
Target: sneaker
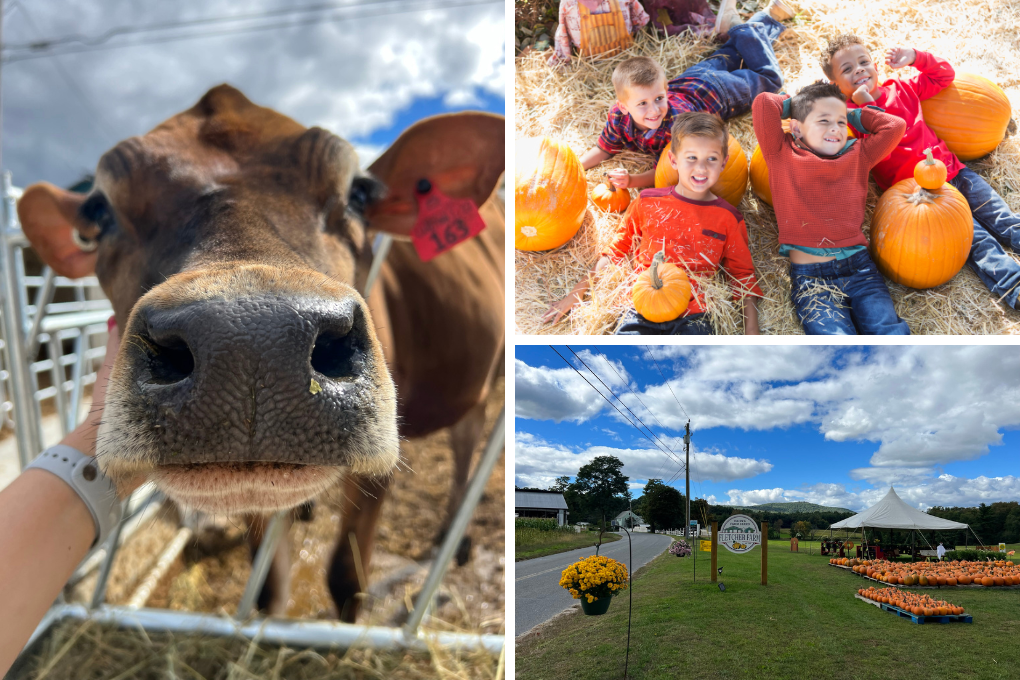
pixel 780 11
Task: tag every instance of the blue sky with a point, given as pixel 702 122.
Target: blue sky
pixel 830 425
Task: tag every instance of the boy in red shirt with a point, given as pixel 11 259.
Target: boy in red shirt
pixel 847 63
pixel 819 183
pixel 698 231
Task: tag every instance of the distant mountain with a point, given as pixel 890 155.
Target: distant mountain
pixel 797 506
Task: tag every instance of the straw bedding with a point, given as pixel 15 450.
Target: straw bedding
pixel 979 36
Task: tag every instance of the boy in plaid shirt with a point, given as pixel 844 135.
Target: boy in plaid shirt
pixel 725 84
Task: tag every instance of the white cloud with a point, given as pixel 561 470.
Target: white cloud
pixel 556 394
pixel 352 77
pixel 922 405
pixel 945 490
pixel 537 463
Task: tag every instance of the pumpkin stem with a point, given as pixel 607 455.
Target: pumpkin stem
pixel 659 258
pixel 931 159
pixel 612 187
pixel 921 196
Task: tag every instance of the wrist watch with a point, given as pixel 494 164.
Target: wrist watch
pixel 82 474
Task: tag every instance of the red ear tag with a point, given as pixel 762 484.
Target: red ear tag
pixel 443 222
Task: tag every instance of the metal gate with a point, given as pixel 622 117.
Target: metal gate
pixel 74 336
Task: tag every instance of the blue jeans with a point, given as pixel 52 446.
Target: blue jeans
pixel 862 304
pixel 633 323
pixel 744 67
pixel 993 222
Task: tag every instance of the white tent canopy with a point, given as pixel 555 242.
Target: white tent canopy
pixel 892 513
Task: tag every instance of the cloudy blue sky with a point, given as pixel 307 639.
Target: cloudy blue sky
pixel 829 425
pixel 364 69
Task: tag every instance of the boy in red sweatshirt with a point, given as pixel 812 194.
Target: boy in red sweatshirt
pixel 819 183
pixel 698 231
pixel 848 64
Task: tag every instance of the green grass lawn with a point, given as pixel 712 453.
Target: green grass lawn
pixel 805 624
pixel 530 543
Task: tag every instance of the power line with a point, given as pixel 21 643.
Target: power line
pixel 602 395
pixel 45 43
pixel 665 449
pixel 83 99
pixel 649 348
pixel 250 29
pixel 610 364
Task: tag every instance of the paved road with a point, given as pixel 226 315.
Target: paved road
pixel 539 596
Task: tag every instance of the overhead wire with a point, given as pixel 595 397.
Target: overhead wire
pixel 407 9
pixel 87 104
pixel 662 447
pixel 648 410
pixel 590 384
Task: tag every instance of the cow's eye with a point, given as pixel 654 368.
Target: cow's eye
pixel 364 191
pixel 96 209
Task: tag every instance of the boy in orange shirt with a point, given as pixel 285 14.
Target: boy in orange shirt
pixel 697 230
pixel 848 64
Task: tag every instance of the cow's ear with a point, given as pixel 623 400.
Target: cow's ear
pixel 48 215
pixel 461 154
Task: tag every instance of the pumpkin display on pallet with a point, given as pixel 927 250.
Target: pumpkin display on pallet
pixel 732 184
pixel 607 197
pixel 550 194
pixel 662 292
pixel 943 574
pixel 920 238
pixel 915 603
pixel 970 116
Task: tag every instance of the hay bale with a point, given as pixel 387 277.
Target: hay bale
pixel 572 105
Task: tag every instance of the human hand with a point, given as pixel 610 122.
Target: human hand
pixel 620 178
pixel 561 308
pixel 861 96
pixel 898 57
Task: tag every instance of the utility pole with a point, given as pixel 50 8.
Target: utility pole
pixel 687 450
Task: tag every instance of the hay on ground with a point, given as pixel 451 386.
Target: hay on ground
pixel 571 105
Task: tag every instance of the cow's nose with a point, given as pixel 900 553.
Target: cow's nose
pixel 262 341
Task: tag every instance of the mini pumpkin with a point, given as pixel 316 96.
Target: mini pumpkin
pixel 930 173
pixel 921 238
pixel 607 197
pixel 732 184
pixel 550 194
pixel 970 116
pixel 662 292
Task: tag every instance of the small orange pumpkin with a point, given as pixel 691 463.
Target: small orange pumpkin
pixel 921 238
pixel 607 197
pixel 663 292
pixel 930 174
pixel 732 184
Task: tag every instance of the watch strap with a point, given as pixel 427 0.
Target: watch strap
pixel 82 474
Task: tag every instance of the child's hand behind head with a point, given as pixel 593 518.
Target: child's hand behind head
pixel 898 57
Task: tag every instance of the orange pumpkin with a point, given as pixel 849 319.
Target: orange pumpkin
pixel 930 173
pixel 732 184
pixel 662 292
pixel 921 238
pixel 607 197
pixel 550 194
pixel 970 116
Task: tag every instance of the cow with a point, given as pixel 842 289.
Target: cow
pixel 233 242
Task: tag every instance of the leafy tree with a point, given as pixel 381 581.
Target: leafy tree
pixel 561 484
pixel 602 487
pixel 663 507
pixel 803 528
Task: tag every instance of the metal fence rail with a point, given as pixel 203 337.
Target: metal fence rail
pixel 72 335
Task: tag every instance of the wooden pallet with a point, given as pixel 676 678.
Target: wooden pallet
pixel 939 618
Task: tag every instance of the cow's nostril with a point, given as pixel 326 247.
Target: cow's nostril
pixel 170 360
pixel 336 355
